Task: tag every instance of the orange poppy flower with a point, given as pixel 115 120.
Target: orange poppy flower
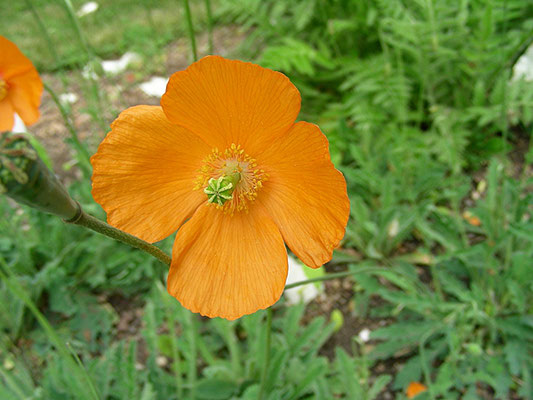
pixel 414 389
pixel 224 161
pixel 20 87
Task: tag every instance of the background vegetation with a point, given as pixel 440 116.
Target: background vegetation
pixel 433 135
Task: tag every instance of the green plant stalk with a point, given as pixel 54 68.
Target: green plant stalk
pixel 25 178
pixel 77 28
pixel 268 344
pixel 436 281
pixel 81 150
pixel 15 288
pixel 44 31
pixel 91 59
pixel 424 363
pixel 234 352
pixel 192 332
pixel 204 351
pixel 169 308
pixel 209 25
pixel 149 16
pixel 335 275
pixel 12 385
pixel 190 29
pixel 90 222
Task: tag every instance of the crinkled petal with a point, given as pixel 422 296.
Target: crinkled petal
pixel 25 95
pixel 227 266
pixel 144 173
pixel 305 195
pixel 12 61
pixel 229 101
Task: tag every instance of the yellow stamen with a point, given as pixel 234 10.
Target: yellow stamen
pixel 3 89
pixel 232 162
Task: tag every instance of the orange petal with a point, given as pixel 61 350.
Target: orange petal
pixel 229 101
pixel 414 389
pixel 227 266
pixel 7 116
pixel 144 173
pixel 305 195
pixel 12 61
pixel 24 93
pixel 24 85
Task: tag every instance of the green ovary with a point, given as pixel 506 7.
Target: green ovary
pixel 220 190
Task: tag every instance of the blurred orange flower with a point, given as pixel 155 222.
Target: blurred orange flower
pixel 414 389
pixel 20 87
pixel 224 161
pixel 471 218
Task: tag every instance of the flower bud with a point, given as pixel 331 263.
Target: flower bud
pixel 25 178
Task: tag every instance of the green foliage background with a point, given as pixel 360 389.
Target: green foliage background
pixel 427 124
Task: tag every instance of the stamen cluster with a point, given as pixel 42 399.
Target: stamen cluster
pixel 229 162
pixel 3 89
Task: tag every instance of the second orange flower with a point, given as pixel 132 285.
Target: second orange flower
pixel 224 162
pixel 20 87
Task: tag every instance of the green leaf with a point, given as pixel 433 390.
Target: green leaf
pixel 315 369
pixel 410 372
pixel 348 374
pixel 378 386
pixel 148 392
pixel 215 389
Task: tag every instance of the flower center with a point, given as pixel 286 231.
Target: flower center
pixel 230 179
pixel 3 89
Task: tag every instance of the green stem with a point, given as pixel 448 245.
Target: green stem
pixel 209 25
pixel 266 364
pixel 190 27
pixel 335 275
pixel 91 60
pixel 149 17
pixel 170 307
pixel 37 17
pixel 191 337
pixel 96 225
pixel 233 347
pixel 83 154
pixel 436 281
pixel 77 28
pixel 49 42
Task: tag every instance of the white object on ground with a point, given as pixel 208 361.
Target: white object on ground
pixel 18 126
pixel 364 335
pixel 68 98
pixel 393 228
pixel 114 67
pixel 304 293
pixel 89 73
pixel 87 8
pixel 154 87
pixel 524 66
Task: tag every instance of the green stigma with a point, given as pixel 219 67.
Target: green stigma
pixel 220 190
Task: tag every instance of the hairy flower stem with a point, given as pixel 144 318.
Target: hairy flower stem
pixel 266 361
pixel 90 222
pixel 25 178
